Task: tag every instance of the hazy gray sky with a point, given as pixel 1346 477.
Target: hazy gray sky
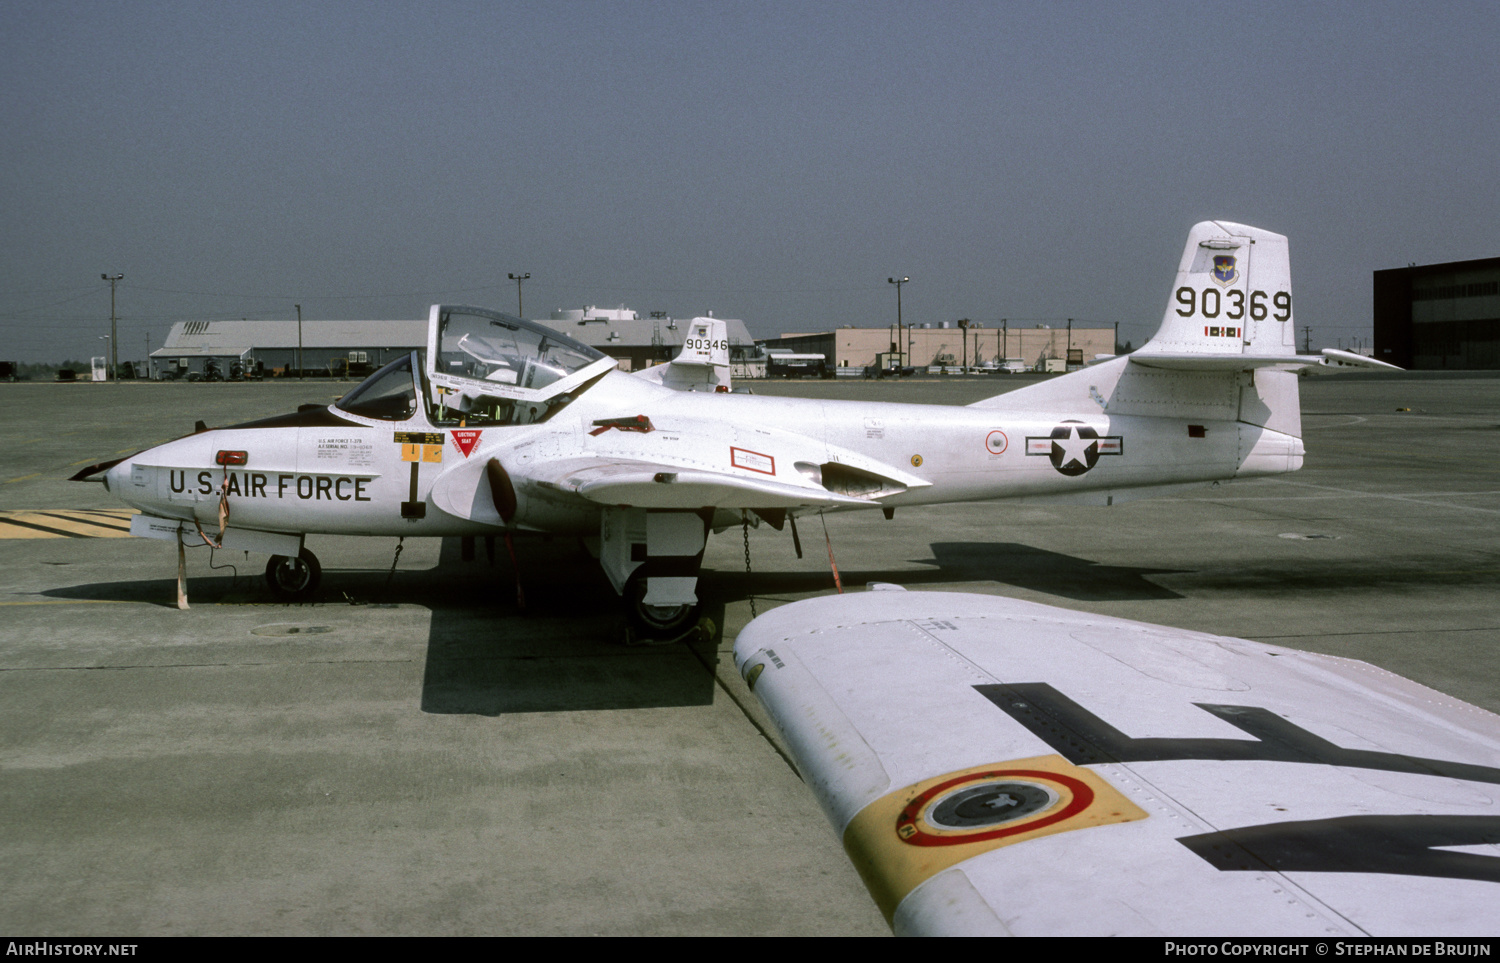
pixel 774 162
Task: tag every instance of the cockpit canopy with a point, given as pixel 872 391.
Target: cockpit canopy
pixel 485 367
pixel 389 394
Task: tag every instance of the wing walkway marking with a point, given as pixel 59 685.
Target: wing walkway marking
pixel 66 523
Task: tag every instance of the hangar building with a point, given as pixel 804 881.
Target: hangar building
pixel 356 348
pixel 1436 316
pixel 328 347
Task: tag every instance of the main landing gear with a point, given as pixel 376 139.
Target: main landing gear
pixel 652 559
pixel 659 623
pixel 294 579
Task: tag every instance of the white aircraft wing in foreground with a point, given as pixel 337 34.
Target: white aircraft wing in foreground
pixel 1004 767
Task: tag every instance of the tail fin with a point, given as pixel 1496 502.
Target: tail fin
pixel 1232 295
pixel 1223 352
pixel 702 363
pixel 1231 309
pixel 707 343
pixel 1226 348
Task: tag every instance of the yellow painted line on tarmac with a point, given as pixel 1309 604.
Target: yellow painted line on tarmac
pixel 74 602
pixel 74 523
pixel 23 477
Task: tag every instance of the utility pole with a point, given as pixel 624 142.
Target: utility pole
pixel 114 354
pixel 963 333
pixel 1307 338
pixel 299 342
pixel 518 278
pixel 898 282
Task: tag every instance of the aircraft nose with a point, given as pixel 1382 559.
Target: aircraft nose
pixel 118 476
pixel 101 471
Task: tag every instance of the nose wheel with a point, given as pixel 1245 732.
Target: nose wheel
pixel 294 579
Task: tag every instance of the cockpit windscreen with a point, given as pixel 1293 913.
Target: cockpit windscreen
pixel 503 350
pixel 389 394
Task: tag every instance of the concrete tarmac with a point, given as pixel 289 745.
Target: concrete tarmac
pixel 410 754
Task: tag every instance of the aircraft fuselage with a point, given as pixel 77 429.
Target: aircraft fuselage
pixel 341 473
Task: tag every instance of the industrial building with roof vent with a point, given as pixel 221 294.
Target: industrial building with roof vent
pixel 326 347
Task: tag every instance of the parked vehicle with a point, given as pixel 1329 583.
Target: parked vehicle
pixel 796 366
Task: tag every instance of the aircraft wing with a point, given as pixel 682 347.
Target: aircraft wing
pixel 1004 767
pixel 641 484
pixel 469 491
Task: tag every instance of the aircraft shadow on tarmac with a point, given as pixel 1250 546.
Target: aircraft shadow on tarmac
pixel 484 654
pixel 563 652
pixel 1023 566
pixel 1053 573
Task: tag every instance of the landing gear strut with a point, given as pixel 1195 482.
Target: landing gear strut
pixel 294 579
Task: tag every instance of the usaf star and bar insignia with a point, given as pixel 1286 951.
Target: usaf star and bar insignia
pixel 1074 448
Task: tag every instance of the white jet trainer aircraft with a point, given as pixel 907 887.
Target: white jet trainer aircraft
pixel 506 427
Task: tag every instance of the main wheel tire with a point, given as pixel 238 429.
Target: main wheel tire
pixel 294 579
pixel 665 622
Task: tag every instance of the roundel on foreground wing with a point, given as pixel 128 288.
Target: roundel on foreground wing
pixel 990 805
pixel 908 836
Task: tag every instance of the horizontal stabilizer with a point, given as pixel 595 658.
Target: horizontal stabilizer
pixel 1335 360
pixel 1331 359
